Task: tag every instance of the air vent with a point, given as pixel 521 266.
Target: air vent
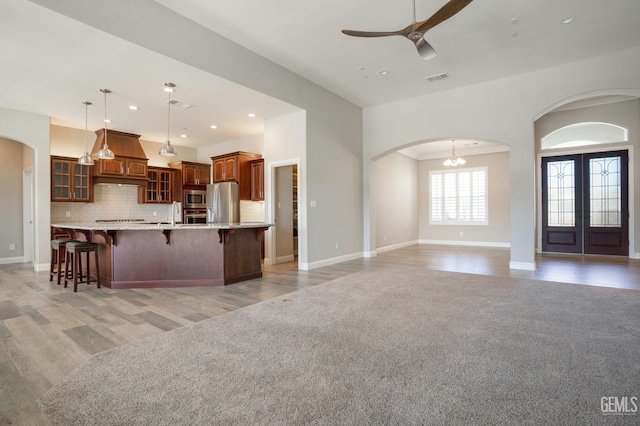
pixel 438 77
pixel 181 104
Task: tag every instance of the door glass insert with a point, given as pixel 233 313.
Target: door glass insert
pixel 605 193
pixel 561 190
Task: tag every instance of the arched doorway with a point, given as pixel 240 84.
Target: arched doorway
pixel 585 151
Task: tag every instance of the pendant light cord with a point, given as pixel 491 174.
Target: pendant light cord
pixel 169 118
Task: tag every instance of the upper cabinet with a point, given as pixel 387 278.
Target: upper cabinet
pixel 257 180
pixel 159 188
pixel 70 181
pixel 130 164
pixel 235 166
pixel 193 174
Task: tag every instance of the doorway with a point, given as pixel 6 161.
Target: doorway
pixel 286 214
pixel 585 203
pixel 28 215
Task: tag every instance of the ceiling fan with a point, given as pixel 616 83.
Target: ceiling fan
pixel 416 30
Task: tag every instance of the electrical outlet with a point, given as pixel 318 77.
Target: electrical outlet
pixel 384 238
pixel 461 233
pixel 12 246
pixel 336 246
pixel 67 214
pixel 313 203
pixel 155 214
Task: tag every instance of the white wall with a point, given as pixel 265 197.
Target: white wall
pixel 285 144
pixel 503 111
pixel 496 232
pixel 33 131
pixel 397 201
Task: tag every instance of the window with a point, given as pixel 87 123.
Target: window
pixel 458 197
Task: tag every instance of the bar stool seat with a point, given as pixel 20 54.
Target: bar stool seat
pixel 74 256
pixel 58 255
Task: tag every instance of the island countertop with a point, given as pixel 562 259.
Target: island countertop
pixel 154 226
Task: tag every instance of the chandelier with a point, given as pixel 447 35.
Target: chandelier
pixel 453 160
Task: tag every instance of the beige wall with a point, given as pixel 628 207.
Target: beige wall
pixel 497 232
pixel 396 200
pixel 11 167
pixel 284 214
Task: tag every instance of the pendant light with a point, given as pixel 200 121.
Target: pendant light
pixel 86 159
pixel 167 150
pixel 453 160
pixel 105 153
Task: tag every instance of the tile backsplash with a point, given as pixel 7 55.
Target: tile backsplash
pixel 121 202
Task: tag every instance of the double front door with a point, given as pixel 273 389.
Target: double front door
pixel 585 203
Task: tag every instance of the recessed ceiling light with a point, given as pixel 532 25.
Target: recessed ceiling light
pixel 515 35
pixel 361 68
pixel 106 120
pixel 567 20
pixel 213 126
pixel 133 107
pixel 183 135
pixel 252 115
pixel 383 72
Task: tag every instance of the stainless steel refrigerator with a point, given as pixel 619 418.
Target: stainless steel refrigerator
pixel 223 203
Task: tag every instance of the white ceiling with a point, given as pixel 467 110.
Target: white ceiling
pixel 51 63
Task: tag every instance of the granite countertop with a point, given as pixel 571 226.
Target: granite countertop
pixel 150 226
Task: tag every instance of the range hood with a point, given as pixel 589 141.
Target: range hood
pixel 127 148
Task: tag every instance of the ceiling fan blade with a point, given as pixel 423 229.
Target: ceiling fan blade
pixel 445 12
pixel 371 33
pixel 425 50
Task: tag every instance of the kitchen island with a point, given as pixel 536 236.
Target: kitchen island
pixel 150 255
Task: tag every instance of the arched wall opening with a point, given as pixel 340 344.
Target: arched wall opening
pixel 601 121
pixel 403 203
pixel 33 130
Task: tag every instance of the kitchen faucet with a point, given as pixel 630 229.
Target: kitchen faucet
pixel 174 210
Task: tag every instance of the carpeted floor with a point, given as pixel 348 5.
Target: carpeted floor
pixel 384 346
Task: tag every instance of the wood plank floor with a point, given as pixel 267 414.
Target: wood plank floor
pixel 46 331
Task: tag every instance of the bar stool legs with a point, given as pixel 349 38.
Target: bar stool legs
pixel 74 256
pixel 58 255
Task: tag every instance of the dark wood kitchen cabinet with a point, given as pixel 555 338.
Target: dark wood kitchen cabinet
pixel 235 166
pixel 257 180
pixel 159 188
pixel 194 175
pixel 70 181
pixel 133 168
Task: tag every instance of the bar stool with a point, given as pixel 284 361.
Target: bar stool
pixel 58 255
pixel 74 256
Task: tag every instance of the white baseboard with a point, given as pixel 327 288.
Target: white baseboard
pixel 328 262
pixel 466 243
pixel 397 246
pixel 8 260
pixel 39 267
pixel 525 266
pixel 634 255
pixel 370 253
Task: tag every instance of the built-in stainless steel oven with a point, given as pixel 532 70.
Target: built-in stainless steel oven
pixel 195 199
pixel 192 216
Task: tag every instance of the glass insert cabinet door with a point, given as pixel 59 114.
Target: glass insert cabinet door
pixel 585 203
